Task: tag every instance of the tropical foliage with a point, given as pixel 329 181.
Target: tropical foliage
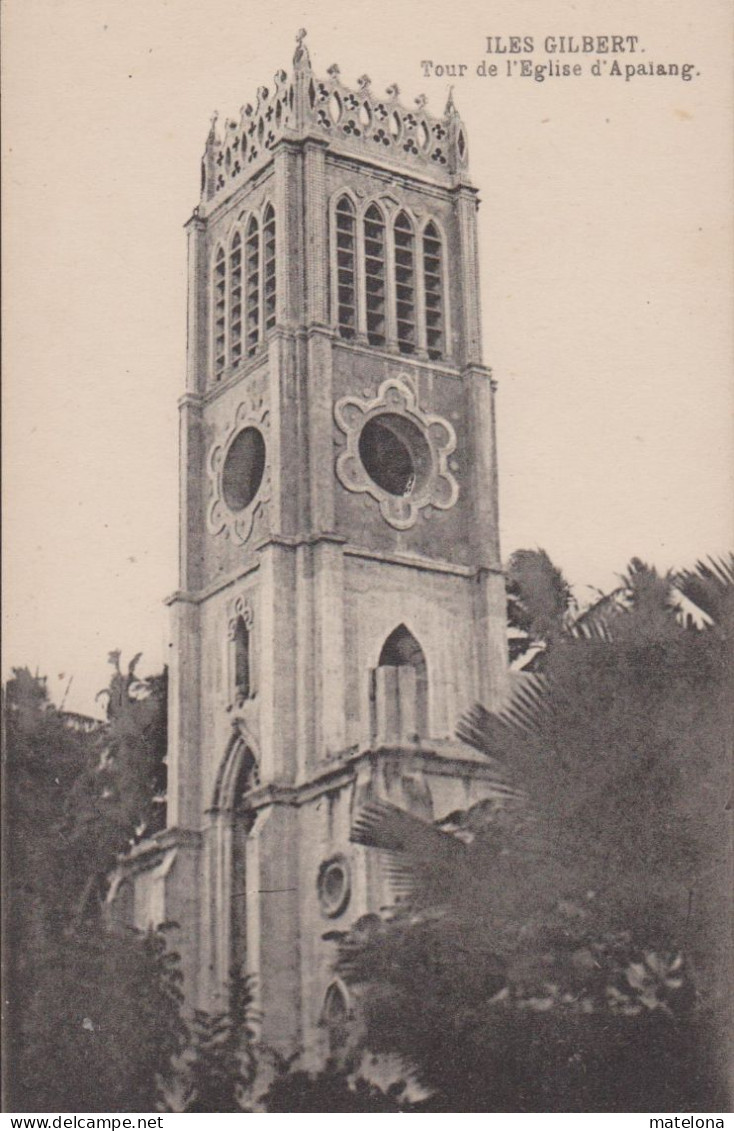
pixel 222 1065
pixel 562 947
pixel 94 1018
pixel 333 1089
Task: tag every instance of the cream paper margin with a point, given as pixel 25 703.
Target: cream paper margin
pixel 606 270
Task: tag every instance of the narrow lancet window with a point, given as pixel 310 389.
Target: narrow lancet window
pixel 235 300
pixel 242 681
pixel 253 286
pixel 405 283
pixel 336 1020
pixel 219 283
pixel 346 269
pixel 433 284
pixel 374 253
pixel 269 288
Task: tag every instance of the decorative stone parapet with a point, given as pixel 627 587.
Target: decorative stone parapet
pixel 353 121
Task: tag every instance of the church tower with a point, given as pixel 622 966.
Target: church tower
pixel 341 600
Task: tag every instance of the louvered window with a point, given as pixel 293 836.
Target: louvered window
pixel 346 268
pixel 374 253
pixel 235 300
pixel 220 314
pixel 405 283
pixel 252 256
pixel 433 283
pixel 269 266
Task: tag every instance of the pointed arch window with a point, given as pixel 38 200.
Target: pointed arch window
pixel 220 313
pixel 374 260
pixel 433 288
pixel 335 1019
pixel 252 267
pixel 405 283
pixel 242 660
pixel 235 299
pixel 400 690
pixel 244 292
pixel 269 286
pixel 346 268
pixel 388 279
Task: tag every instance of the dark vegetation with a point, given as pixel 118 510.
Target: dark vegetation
pixel 564 947
pixel 567 947
pixel 93 1017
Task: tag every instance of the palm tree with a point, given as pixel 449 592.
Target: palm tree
pixel 540 606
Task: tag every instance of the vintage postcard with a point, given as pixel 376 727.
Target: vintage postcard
pixel 369 597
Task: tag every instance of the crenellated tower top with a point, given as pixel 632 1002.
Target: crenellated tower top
pixel 356 122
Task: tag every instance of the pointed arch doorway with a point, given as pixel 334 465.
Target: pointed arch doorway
pixel 232 823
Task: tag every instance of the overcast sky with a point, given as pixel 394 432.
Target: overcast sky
pixel 606 283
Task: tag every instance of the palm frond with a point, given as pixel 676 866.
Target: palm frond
pixel 593 623
pixel 401 875
pixel 382 825
pixel 709 585
pixel 688 613
pixel 528 706
pixel 525 714
pixel 418 859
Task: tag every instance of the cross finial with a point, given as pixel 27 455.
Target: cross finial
pixel 300 57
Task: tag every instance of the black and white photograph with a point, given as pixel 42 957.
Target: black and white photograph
pixel 368 572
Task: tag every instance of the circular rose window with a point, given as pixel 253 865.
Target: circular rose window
pixel 333 886
pixel 395 454
pixel 244 467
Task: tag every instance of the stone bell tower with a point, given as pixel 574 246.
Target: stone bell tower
pixel 341 601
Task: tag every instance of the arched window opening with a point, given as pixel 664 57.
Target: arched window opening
pixel 269 290
pixel 433 283
pixel 401 648
pixel 233 817
pixel 242 666
pixel 253 286
pixel 405 283
pixel 235 299
pixel 346 268
pixel 400 689
pixel 236 777
pixel 374 253
pixel 335 1018
pixel 220 313
pixel 245 781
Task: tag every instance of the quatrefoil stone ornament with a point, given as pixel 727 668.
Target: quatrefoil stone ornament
pixel 239 474
pixel 396 452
